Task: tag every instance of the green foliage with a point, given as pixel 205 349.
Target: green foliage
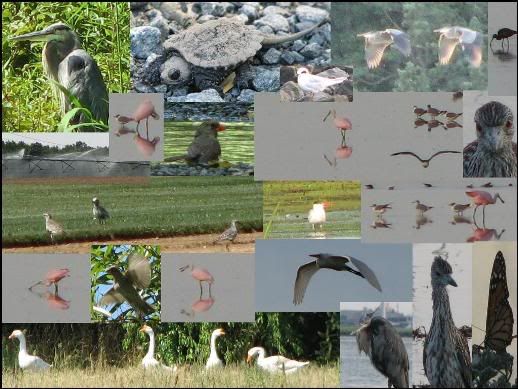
pixel 37 149
pixel 166 207
pixel 420 72
pixel 102 257
pixel 28 103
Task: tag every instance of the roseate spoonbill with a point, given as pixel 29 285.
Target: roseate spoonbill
pixel 446 356
pixel 145 146
pixel 229 235
pixel 214 361
pixel 378 339
pixel 317 214
pixel 493 153
pixel 459 208
pixel 26 361
pixel 144 111
pixel 202 305
pixel 200 275
pixel 274 364
pixel 421 208
pixel 314 83
pixel 100 213
pixel 66 63
pixel 205 146
pixel 52 278
pixel 419 111
pixel 425 162
pixel 479 198
pixel 503 33
pixel 484 234
pixel 344 151
pixel 53 227
pixel 380 209
pixel 53 300
pixel 149 361
pixel 333 262
pixel 377 41
pixel 341 122
pixel 137 276
pixel 470 41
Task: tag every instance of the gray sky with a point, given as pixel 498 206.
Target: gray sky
pixel 57 138
pixel 277 262
pixel 401 307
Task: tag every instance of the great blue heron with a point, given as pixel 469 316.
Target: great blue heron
pixel 66 63
pixel 493 153
pixel 377 338
pixel 446 357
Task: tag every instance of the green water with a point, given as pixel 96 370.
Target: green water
pixel 237 141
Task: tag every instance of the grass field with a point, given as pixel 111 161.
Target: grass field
pixel 286 205
pixel 165 207
pixel 195 376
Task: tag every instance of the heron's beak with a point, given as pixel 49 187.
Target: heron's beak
pixel 451 281
pixel 329 113
pixel 221 127
pixel 249 359
pixel 11 336
pixel 37 36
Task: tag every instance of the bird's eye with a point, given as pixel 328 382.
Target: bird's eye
pixel 509 124
pixel 174 74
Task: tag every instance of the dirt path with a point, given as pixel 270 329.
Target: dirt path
pixel 245 243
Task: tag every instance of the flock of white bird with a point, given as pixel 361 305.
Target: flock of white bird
pixel 273 364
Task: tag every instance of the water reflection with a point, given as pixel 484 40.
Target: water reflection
pixel 53 299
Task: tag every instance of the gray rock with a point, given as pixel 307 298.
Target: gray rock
pixel 291 57
pixel 266 79
pixel 151 74
pixel 274 21
pixel 272 56
pixel 161 89
pixel 334 73
pixel 291 91
pixel 246 96
pixel 208 95
pixel 322 97
pixel 145 41
pixel 311 51
pixel 140 87
pixel 298 45
pixel 205 18
pixel 275 10
pixel 266 30
pixel 161 23
pixel 306 13
pixel 250 11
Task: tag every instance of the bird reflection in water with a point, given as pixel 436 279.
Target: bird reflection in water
pixel 484 234
pixel 54 300
pixel 421 220
pixel 379 222
pixel 53 277
pixel 343 125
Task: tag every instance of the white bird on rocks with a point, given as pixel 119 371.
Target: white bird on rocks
pixel 313 83
pixel 26 361
pixel 317 214
pixel 214 361
pixel 274 364
pixel 149 361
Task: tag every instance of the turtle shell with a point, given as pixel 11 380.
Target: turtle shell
pixel 217 43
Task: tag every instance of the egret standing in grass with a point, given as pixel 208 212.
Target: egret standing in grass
pixel 65 62
pixel 26 361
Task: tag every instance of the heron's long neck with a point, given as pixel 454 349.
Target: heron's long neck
pixel 151 350
pixel 213 351
pixel 441 306
pixel 23 346
pixel 260 357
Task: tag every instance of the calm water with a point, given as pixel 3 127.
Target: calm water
pixel 356 370
pixel 237 141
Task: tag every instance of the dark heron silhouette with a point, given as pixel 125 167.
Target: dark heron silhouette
pixel 501 35
pixel 425 162
pixel 446 357
pixel 377 41
pixel 470 41
pixel 377 338
pixel 66 63
pixel 493 153
pixel 333 262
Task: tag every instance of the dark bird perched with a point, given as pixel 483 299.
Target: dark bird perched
pixel 382 343
pixel 333 262
pixel 137 276
pixel 100 213
pixel 425 162
pixel 446 356
pixel 503 33
pixel 66 63
pixel 205 147
pixel 377 41
pixel 493 153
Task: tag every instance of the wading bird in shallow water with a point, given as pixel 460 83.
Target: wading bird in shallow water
pixel 377 338
pixel 446 356
pixel 459 208
pixel 274 364
pixel 479 197
pixel 501 35
pixel 52 278
pixel 200 275
pixel 333 262
pixel 380 209
pixel 420 207
pixel 377 41
pixel 65 62
pixel 317 214
pixel 26 361
pixel 425 162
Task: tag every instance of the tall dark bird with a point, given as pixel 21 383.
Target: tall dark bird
pixel 503 33
pixel 446 357
pixel 333 262
pixel 66 63
pixel 382 343
pixel 205 146
pixel 493 153
pixel 425 162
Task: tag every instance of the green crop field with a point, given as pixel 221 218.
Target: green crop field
pixel 166 207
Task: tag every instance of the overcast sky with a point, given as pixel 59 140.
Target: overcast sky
pixel 57 138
